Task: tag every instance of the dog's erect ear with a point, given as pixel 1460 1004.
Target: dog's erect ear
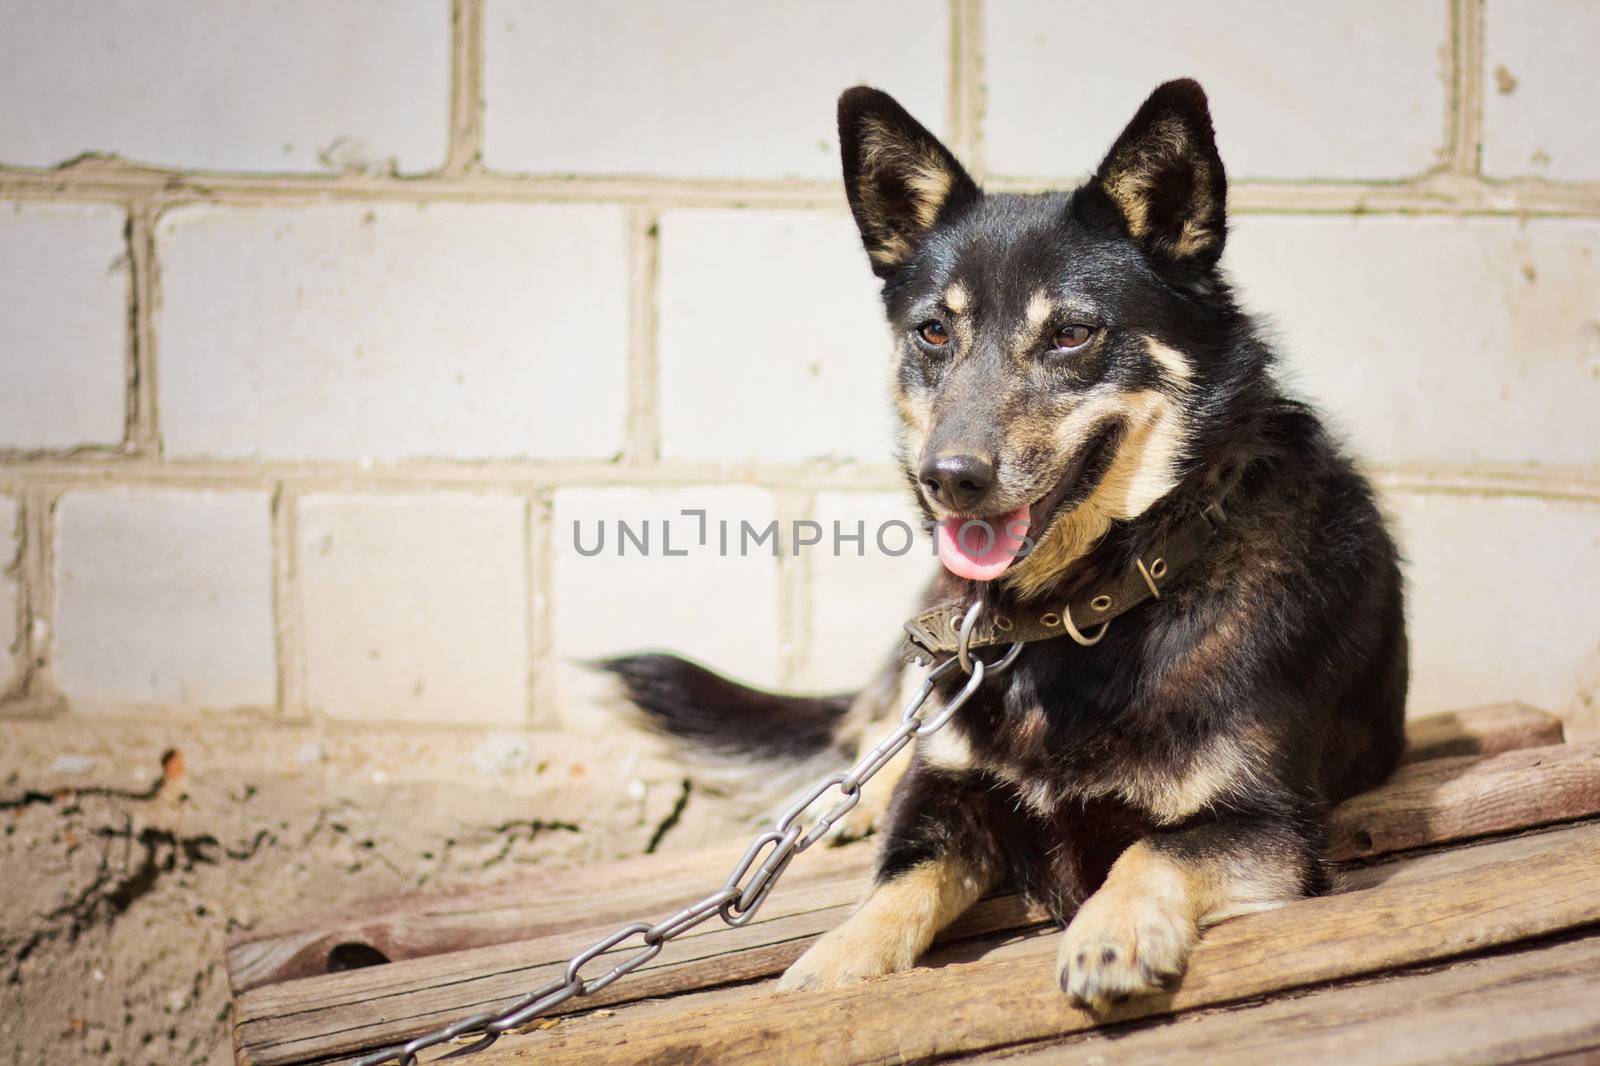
pixel 900 180
pixel 1165 178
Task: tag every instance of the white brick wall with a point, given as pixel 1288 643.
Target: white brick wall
pixel 164 598
pixel 861 596
pixel 614 277
pixel 1542 82
pixel 10 550
pixel 415 607
pixel 773 344
pixel 259 85
pixel 719 608
pixel 1348 90
pixel 722 88
pixel 1436 339
pixel 1502 602
pixel 63 324
pixel 392 331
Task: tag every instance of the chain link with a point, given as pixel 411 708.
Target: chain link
pixel 747 885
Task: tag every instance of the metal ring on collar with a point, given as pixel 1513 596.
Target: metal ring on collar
pixel 1072 630
pixel 964 638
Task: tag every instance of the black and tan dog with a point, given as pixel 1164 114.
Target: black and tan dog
pixel 1075 372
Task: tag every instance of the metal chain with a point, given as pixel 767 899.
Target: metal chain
pixel 746 886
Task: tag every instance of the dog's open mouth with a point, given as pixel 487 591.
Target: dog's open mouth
pixel 981 548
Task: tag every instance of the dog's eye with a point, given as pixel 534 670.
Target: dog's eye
pixel 934 334
pixel 1069 338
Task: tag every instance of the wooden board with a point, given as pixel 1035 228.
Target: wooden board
pixel 1460 798
pixel 1514 1007
pixel 932 1012
pixel 417 926
pixel 1487 730
pixel 303 1020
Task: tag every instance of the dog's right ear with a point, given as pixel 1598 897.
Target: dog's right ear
pixel 899 178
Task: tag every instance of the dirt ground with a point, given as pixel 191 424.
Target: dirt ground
pixel 132 849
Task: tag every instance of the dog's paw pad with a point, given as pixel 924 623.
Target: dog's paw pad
pixel 1122 946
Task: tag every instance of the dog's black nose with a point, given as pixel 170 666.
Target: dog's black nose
pixel 958 482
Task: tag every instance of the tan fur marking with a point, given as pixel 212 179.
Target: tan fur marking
pixel 1031 730
pixel 1173 362
pixel 957 299
pixel 1223 766
pixel 926 176
pixel 947 749
pixel 1145 468
pixel 914 410
pixel 892 927
pixel 1038 309
pixel 1133 173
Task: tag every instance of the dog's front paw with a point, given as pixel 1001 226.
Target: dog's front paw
pixel 1122 944
pixel 840 958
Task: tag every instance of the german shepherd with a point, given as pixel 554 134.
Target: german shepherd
pixel 1075 374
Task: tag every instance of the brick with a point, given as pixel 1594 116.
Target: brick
pixel 415 607
pixel 164 598
pixel 1500 601
pixel 720 609
pixel 1437 340
pixel 393 331
pixel 1540 79
pixel 63 325
pixel 772 339
pixel 1353 90
pixel 756 101
pixel 10 549
pixel 257 85
pixel 862 595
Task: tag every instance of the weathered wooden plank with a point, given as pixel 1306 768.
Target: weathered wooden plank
pixel 421 925
pixel 1525 1005
pixel 1407 869
pixel 929 1013
pixel 410 927
pixel 304 1020
pixel 1459 798
pixel 1487 730
pixel 301 1020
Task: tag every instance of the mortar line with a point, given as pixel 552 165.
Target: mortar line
pixel 968 93
pixel 543 667
pixel 466 88
pixel 16 568
pixel 1467 52
pixel 642 433
pixel 794 587
pixel 143 432
pixel 1564 482
pixel 288 628
pixel 38 586
pixel 1423 194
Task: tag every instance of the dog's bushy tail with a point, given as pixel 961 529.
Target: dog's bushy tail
pixel 748 738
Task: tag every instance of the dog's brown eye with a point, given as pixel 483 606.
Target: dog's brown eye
pixel 934 333
pixel 1069 337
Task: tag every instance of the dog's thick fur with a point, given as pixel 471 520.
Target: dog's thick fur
pixel 1178 771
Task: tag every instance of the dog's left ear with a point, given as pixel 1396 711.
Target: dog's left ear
pixel 899 178
pixel 1165 178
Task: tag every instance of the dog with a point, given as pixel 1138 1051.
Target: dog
pixel 1209 605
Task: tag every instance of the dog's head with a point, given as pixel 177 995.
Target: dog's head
pixel 1055 350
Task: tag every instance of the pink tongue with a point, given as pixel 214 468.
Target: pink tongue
pixel 980 549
